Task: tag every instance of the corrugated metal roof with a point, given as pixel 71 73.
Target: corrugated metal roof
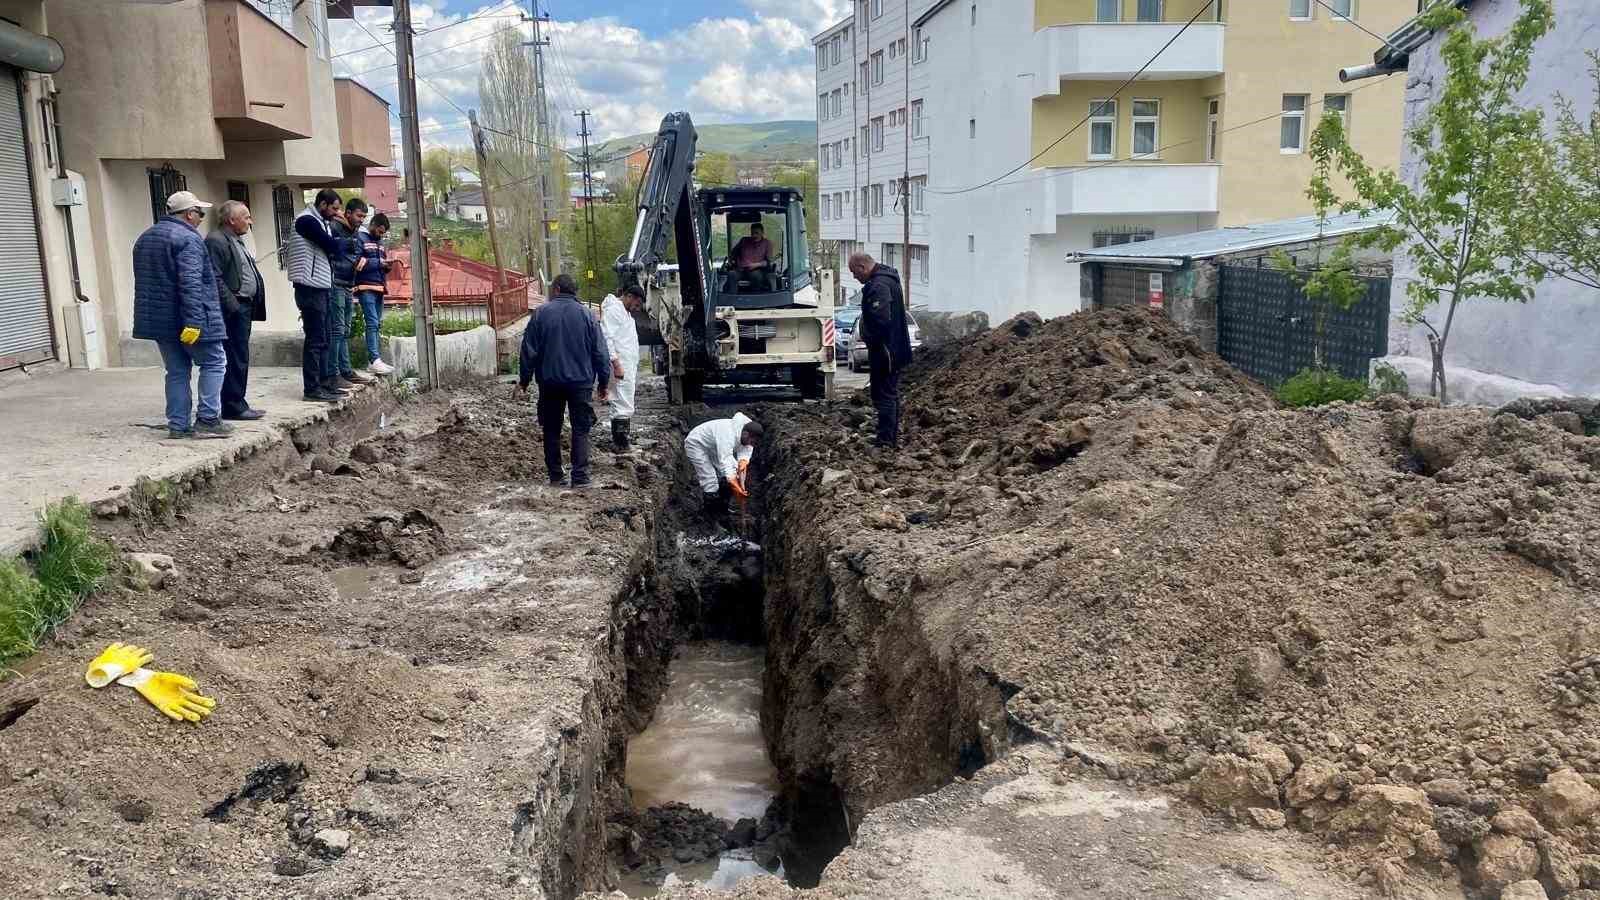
pixel 1236 239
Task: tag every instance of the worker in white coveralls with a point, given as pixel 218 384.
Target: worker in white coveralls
pixel 622 337
pixel 720 451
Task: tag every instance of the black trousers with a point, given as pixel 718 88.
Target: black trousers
pixel 884 386
pixel 572 401
pixel 313 303
pixel 237 376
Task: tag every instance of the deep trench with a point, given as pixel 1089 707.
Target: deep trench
pixel 831 691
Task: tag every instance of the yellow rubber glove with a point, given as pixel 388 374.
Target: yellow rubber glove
pixel 189 335
pixel 116 661
pixel 171 693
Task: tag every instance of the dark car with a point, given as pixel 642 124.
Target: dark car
pixel 844 326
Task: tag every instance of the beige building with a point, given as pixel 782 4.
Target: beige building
pixel 226 98
pixel 1212 132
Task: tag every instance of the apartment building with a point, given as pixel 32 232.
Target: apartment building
pixel 231 99
pixel 1037 150
pixel 872 153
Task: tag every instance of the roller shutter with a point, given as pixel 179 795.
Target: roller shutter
pixel 24 305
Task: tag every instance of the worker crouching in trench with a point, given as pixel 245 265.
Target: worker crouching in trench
pixel 720 451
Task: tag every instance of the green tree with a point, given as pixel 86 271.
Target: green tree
pixel 712 169
pixel 613 229
pixel 803 177
pixel 1459 225
pixel 1562 217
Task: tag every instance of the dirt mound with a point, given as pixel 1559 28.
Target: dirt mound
pixel 1373 621
pixel 411 539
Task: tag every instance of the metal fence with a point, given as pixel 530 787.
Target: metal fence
pixel 1266 326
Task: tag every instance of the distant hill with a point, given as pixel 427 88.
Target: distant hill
pixel 752 140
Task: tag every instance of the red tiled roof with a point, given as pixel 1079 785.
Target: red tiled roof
pixel 453 278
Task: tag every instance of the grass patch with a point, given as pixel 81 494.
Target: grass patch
pixel 69 565
pixel 1315 387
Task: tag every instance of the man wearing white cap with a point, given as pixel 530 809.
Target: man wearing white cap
pixel 175 304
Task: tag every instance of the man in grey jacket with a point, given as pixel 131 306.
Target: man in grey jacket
pixel 310 248
pixel 244 302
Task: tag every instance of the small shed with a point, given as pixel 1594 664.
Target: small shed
pixel 1222 287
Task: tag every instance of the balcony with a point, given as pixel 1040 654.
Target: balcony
pixel 1124 190
pixel 363 126
pixel 1111 51
pixel 260 87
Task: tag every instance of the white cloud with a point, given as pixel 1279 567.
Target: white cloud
pixel 768 93
pixel 813 15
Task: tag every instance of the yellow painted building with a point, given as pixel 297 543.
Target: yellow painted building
pixel 1241 90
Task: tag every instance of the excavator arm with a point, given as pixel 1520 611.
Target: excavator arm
pixel 667 211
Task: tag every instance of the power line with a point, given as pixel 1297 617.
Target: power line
pixel 1337 15
pixel 1092 106
pixel 491 14
pixel 454 46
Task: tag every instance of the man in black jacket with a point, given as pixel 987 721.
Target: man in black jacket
pixel 888 338
pixel 565 352
pixel 243 294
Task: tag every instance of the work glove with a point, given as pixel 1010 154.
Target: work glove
pixel 737 486
pixel 616 369
pixel 171 693
pixel 189 335
pixel 114 662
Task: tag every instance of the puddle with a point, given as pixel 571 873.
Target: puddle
pixel 356 582
pixel 704 748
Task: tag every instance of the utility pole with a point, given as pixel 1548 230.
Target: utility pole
pixel 421 292
pixel 905 180
pixel 488 203
pixel 552 244
pixel 588 186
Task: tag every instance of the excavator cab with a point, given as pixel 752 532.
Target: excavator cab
pixel 759 258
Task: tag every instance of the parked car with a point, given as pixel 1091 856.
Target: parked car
pixel 844 327
pixel 858 352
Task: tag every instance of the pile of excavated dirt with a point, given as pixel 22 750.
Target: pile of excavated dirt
pixel 1374 622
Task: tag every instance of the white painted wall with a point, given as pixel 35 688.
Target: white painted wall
pixel 1112 50
pixel 1511 348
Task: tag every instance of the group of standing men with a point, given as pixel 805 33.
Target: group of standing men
pixel 199 298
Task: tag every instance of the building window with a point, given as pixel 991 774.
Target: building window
pixel 902 46
pixel 164 182
pixel 283 216
pixel 1213 128
pixel 894 47
pixel 1108 11
pixel 877 68
pixel 1102 129
pixel 822 57
pixel 1146 128
pixel 1300 9
pixel 1292 134
pixel 826 155
pixel 877 199
pixel 916 118
pixel 866 75
pixel 838 154
pixel 891 255
pixel 972 244
pixel 877 135
pixel 919 264
pixel 827 207
pixel 1337 105
pixel 972 129
pixel 846 151
pixel 1343 9
pixel 837 103
pixel 919 190
pixel 877 9
pixel 280 11
pixel 866 141
pixel 866 201
pixel 1122 236
pixel 1150 10
pixel 838 45
pixel 974 12
pixel 822 107
pixel 919 45
pixel 239 191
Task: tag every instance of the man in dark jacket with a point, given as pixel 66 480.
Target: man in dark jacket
pixel 888 338
pixel 244 302
pixel 175 304
pixel 337 373
pixel 564 351
pixel 306 256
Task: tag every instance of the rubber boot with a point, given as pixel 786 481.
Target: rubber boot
pixel 620 436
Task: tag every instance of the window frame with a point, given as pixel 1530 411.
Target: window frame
pixel 919 45
pixel 1136 120
pixel 1343 112
pixel 865 141
pixel 1098 116
pixel 917 128
pixel 838 47
pixel 283 222
pixel 1213 128
pixel 877 9
pixel 836 103
pixel 919 191
pixel 877 129
pixel 972 129
pixel 1099 11
pixel 866 77
pixel 877 68
pixel 1341 16
pixel 877 201
pixel 822 57
pixel 826 156
pixel 1161 11
pixel 1300 116
pixel 164 182
pixel 1310 14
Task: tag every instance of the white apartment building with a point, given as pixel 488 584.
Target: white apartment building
pixel 872 153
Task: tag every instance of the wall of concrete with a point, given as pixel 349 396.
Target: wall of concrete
pixel 462 355
pixel 1502 349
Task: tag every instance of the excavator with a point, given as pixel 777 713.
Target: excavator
pixel 728 306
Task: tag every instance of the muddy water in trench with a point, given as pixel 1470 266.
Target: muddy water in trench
pixel 704 748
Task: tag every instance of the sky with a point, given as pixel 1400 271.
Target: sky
pixel 628 63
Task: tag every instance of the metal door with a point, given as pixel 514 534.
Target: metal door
pixel 1266 326
pixel 25 333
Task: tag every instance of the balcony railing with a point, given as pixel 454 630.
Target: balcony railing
pixel 1106 51
pixel 260 85
pixel 363 126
